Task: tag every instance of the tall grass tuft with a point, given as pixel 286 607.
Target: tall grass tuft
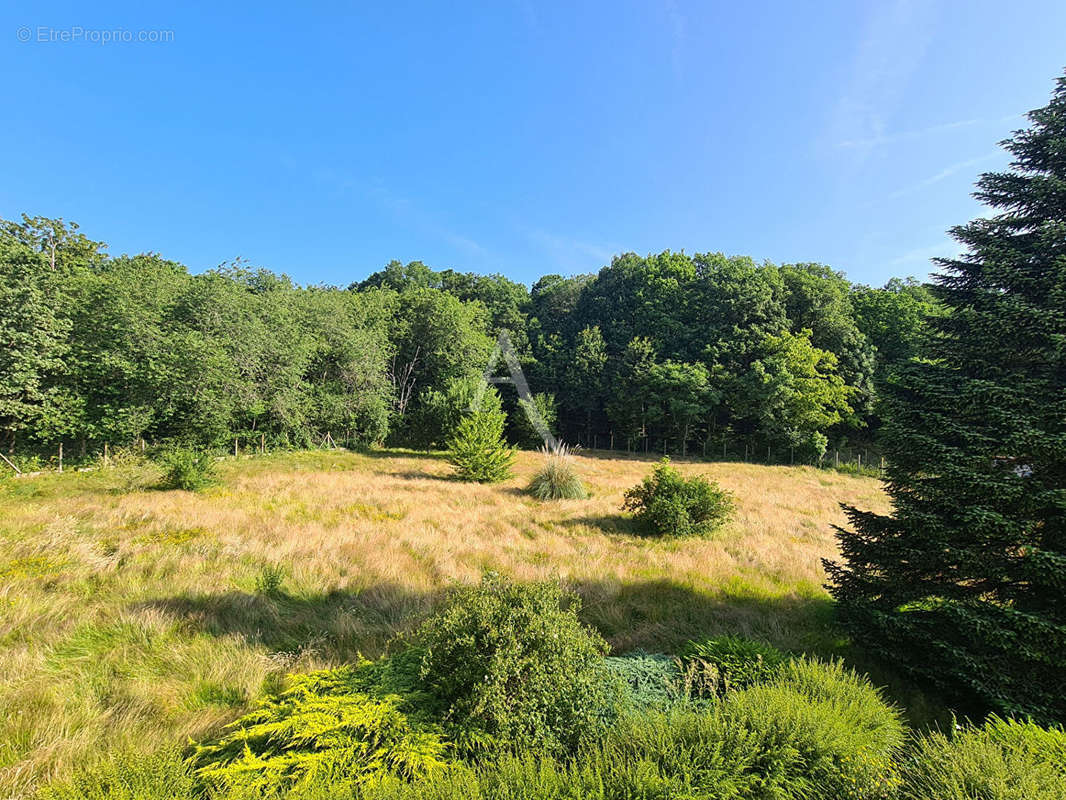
pixel 557 479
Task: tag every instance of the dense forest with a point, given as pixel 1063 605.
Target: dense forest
pixel 672 352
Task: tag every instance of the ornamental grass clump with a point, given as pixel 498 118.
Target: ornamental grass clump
pixel 557 479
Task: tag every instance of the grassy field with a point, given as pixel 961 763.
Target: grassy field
pixel 132 618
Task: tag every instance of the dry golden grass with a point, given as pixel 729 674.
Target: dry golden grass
pixel 136 618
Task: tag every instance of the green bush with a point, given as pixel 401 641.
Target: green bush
pixel 186 469
pixel 821 732
pixel 557 479
pixel 511 664
pixel 668 504
pixel 159 776
pixel 738 662
pixel 477 448
pixel 1003 760
pixel 320 731
pixel 651 680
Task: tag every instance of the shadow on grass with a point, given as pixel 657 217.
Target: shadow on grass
pixel 651 615
pixel 617 524
pixel 402 452
pixel 654 616
pixel 339 625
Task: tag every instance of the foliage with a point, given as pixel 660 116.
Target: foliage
pixel 652 680
pixel 186 469
pixel 1003 760
pixel 893 318
pixel 511 665
pixel 668 504
pixel 435 420
pixel 818 740
pixel 962 586
pixel 320 731
pixel 658 350
pixel 270 579
pixel 160 776
pixel 557 479
pixel 797 392
pixel 541 404
pixel 477 449
pixel 738 662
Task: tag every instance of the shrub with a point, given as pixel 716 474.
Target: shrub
pixel 186 469
pixel 1004 760
pixel 821 731
pixel 320 731
pixel 160 776
pixel 651 680
pixel 511 663
pixel 738 662
pixel 668 504
pixel 557 479
pixel 477 448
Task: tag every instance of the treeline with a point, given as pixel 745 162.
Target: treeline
pixel 670 352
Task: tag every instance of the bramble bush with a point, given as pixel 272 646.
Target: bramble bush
pixel 668 504
pixel 186 469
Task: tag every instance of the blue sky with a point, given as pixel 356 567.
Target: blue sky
pixel 324 139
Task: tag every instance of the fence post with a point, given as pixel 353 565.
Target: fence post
pixel 107 458
pixel 836 459
pixel 234 446
pixel 60 456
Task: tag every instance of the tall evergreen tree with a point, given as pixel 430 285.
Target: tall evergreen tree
pixel 964 585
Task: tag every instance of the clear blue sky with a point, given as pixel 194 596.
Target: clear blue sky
pixel 522 137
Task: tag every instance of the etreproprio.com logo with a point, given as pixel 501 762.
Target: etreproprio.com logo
pixel 47 34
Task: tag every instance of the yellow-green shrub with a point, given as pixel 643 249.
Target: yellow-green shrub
pixel 320 731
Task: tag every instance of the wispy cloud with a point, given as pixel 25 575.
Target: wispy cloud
pixel 896 37
pixel 903 136
pixel 568 254
pixel 946 248
pixel 947 172
pixel 400 206
pixel 678 33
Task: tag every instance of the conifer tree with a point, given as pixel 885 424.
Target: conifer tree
pixel 964 585
pixel 477 448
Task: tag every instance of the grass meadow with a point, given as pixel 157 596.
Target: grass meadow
pixel 134 619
